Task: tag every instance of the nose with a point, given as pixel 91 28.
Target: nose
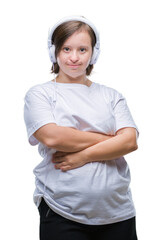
pixel 74 57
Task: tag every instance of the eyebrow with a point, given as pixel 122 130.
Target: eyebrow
pixel 81 46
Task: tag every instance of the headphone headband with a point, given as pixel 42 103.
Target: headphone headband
pixel 51 46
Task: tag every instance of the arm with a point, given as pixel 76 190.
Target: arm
pixel 123 143
pixel 41 125
pixel 67 139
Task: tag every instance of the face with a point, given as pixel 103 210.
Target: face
pixel 75 55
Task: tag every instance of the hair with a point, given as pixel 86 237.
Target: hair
pixel 63 32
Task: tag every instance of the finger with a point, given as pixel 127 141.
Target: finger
pixel 65 168
pixel 59 165
pixel 57 159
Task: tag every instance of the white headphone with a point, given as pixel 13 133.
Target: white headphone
pixel 51 46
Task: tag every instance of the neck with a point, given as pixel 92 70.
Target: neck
pixel 63 78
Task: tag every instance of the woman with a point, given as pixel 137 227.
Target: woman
pixel 83 130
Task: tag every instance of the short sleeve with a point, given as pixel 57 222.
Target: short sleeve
pixel 122 114
pixel 37 112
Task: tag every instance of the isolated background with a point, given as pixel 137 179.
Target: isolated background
pixel 131 61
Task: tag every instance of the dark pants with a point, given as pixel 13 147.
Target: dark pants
pixel 56 227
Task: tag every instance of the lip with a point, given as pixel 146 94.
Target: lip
pixel 74 65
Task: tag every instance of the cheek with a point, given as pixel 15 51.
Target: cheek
pixel 89 56
pixel 87 61
pixel 60 60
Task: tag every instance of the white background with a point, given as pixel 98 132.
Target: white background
pixel 131 61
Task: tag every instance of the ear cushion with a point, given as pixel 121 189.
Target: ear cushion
pixel 95 55
pixel 51 50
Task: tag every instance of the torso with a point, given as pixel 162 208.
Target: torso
pixel 97 193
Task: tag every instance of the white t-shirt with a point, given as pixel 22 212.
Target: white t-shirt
pixel 98 192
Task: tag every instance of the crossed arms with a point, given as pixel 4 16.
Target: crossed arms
pixel 76 148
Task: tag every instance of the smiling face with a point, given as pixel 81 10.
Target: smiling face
pixel 75 55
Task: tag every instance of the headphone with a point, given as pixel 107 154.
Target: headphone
pixel 51 46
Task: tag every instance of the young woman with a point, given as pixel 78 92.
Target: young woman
pixel 83 130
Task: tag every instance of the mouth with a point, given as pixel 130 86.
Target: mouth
pixel 73 65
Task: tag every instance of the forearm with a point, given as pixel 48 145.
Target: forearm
pixel 110 149
pixel 73 140
pixel 123 142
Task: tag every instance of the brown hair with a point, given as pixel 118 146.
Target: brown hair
pixel 63 32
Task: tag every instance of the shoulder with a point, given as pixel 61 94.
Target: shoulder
pixel 45 89
pixel 111 95
pixel 107 89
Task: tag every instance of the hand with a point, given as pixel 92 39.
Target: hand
pixel 67 161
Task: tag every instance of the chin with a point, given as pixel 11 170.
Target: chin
pixel 76 75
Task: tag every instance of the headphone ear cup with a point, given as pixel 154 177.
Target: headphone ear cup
pixel 95 55
pixel 52 53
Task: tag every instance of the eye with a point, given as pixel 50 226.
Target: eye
pixel 82 50
pixel 66 49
